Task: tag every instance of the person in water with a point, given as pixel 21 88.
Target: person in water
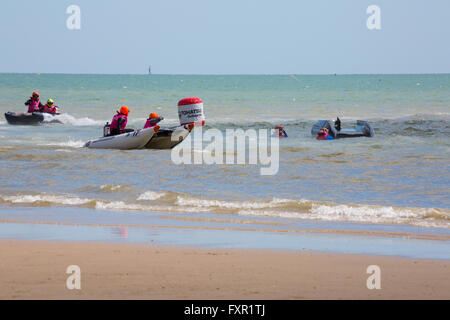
pixel 280 132
pixel 34 105
pixel 49 107
pixel 323 135
pixel 153 120
pixel 119 122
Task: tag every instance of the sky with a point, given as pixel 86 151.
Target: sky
pixel 225 37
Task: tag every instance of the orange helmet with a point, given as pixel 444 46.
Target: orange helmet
pixel 279 127
pixel 153 115
pixel 124 110
pixel 35 94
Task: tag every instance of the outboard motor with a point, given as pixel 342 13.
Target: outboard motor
pixel 190 112
pixel 106 130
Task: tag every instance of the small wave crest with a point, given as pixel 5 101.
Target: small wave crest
pixel 151 195
pixel 113 187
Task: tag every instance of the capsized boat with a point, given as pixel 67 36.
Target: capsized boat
pixel 168 138
pixel 34 118
pixel 125 141
pixel 361 129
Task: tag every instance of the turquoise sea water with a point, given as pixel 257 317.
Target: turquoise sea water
pixel 399 177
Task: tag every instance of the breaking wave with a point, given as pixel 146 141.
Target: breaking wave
pixel 276 208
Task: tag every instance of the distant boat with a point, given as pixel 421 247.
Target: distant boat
pixel 150 70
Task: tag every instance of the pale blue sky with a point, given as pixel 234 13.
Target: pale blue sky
pixel 225 37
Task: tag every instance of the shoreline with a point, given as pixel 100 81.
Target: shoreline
pixel 222 232
pixel 36 270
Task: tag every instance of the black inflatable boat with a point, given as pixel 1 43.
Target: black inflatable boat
pixel 34 118
pixel 362 129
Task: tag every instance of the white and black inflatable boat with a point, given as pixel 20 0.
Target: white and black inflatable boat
pixel 125 141
pixel 361 129
pixel 190 113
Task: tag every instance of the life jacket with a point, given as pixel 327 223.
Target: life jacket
pixel 33 105
pixel 115 122
pixel 149 124
pixel 153 122
pixel 322 136
pixel 47 109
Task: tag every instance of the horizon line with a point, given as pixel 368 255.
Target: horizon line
pixel 225 74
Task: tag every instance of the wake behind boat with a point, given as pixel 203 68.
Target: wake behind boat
pixel 34 118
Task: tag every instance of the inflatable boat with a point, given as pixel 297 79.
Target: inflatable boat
pixel 125 141
pixel 34 118
pixel 190 113
pixel 361 129
pixel 168 138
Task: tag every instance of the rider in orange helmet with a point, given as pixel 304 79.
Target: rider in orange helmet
pixel 153 120
pixel 119 121
pixel 34 104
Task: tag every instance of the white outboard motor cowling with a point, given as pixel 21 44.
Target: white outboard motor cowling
pixel 190 111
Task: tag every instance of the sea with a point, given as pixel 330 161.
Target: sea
pixel 397 182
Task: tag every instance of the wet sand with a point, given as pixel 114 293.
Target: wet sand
pixel 37 270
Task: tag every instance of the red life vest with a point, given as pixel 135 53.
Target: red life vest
pixel 322 136
pixel 149 124
pixel 34 106
pixel 48 109
pixel 115 122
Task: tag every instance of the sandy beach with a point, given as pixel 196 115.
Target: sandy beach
pixel 37 270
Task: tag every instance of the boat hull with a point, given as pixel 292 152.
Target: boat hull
pixel 24 118
pixel 168 138
pixel 126 141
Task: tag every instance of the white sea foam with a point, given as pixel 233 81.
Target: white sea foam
pixel 283 208
pixel 69 143
pixel 66 118
pixel 110 187
pixel 363 214
pixel 261 204
pixel 56 199
pixel 151 195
